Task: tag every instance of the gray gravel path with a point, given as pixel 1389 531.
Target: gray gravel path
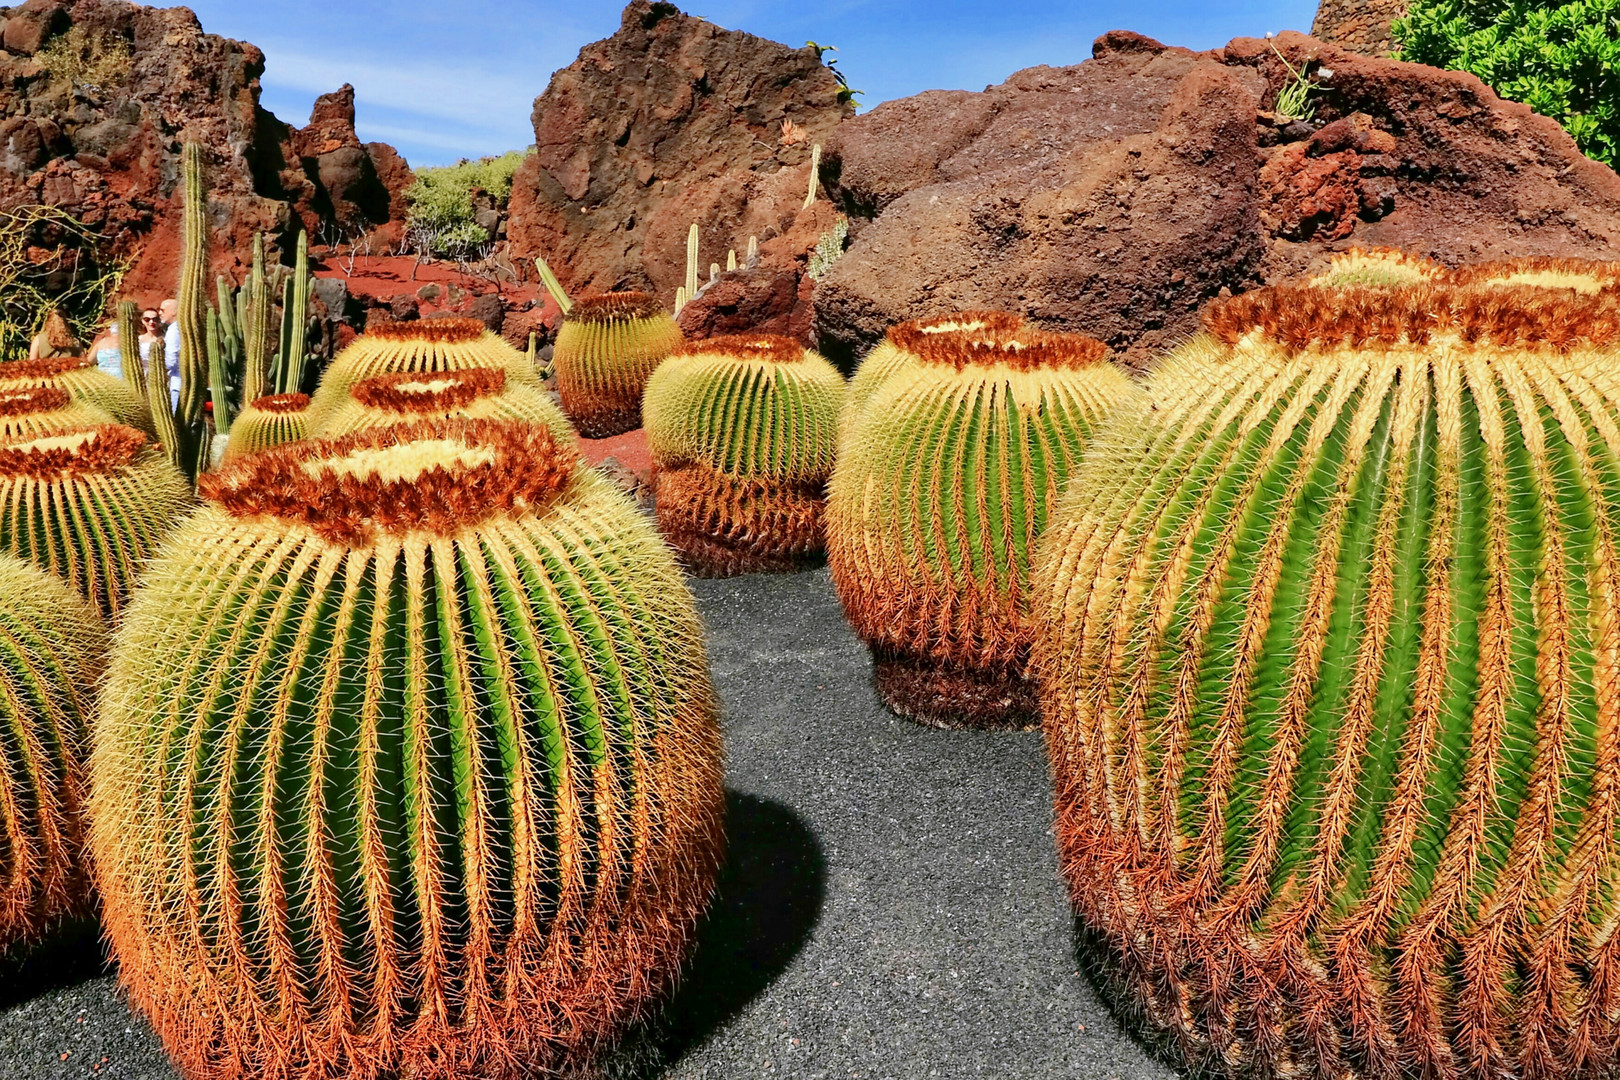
pixel 891 909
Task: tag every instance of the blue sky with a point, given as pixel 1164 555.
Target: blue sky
pixel 445 79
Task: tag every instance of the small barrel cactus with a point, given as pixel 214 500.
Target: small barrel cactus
pixel 408 763
pixel 607 348
pixel 476 393
pixel 743 432
pixel 27 411
pixel 268 421
pixel 1328 639
pixel 90 505
pixel 1378 267
pixel 944 481
pixel 52 649
pixel 449 344
pixel 79 376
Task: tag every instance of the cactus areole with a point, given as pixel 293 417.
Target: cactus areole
pixel 946 471
pixel 1329 628
pixel 607 348
pixel 743 431
pixel 408 763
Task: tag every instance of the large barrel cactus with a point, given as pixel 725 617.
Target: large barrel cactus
pixel 887 357
pixel 408 763
pixel 268 421
pixel 423 345
pixel 743 432
pixel 1578 275
pixel 80 377
pixel 27 411
pixel 476 393
pixel 52 649
pixel 90 505
pixel 607 348
pixel 944 481
pixel 1329 637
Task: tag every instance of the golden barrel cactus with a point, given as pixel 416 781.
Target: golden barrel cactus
pixel 1377 267
pixel 743 432
pixel 475 393
pixel 607 348
pixel 408 763
pixel 944 480
pixel 424 345
pixel 1329 630
pixel 52 651
pixel 27 411
pixel 80 377
pixel 266 422
pixel 887 357
pixel 1578 275
pixel 90 505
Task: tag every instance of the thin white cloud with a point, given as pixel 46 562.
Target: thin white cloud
pixel 464 143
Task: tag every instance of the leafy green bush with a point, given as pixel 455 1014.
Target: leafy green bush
pixel 442 215
pixel 1562 60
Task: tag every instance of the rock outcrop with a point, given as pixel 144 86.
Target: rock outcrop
pixel 1117 196
pixel 96 97
pixel 1362 26
pixel 670 121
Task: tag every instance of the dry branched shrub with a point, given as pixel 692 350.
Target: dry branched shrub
pixel 607 348
pixel 408 763
pixel 1329 628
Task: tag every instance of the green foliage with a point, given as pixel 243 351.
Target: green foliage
pixel 829 249
pixel 85 60
pixel 1562 60
pixel 441 206
pixel 1294 99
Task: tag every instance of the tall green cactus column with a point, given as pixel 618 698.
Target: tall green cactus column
pixel 743 432
pixel 408 763
pixel 965 431
pixel 607 348
pixel 1329 630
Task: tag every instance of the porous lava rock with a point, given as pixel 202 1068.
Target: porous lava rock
pixel 1117 196
pixel 1359 25
pixel 670 121
pixel 96 97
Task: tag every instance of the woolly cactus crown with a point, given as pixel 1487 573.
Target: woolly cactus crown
pixel 454 680
pixel 80 377
pixel 26 411
pixel 449 344
pixel 90 505
pixel 607 348
pixel 756 405
pixel 268 421
pixel 1326 622
pixel 476 393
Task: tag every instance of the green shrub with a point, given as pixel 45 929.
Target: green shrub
pixel 1562 60
pixel 442 216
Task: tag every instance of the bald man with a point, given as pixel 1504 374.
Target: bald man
pixel 169 312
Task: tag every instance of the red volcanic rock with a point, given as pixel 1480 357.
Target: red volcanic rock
pixel 1359 25
pixel 1117 196
pixel 670 121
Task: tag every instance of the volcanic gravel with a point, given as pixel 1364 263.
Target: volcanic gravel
pixel 890 909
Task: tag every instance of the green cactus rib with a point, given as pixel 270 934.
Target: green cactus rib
pixel 52 651
pixel 1327 639
pixel 945 477
pixel 267 422
pixel 89 505
pixel 437 797
pixel 80 378
pixel 607 348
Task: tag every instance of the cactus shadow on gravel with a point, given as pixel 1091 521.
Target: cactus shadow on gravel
pixel 767 902
pixel 72 954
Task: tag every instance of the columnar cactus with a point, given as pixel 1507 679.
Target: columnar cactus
pixel 422 345
pixel 28 411
pixel 90 505
pixel 1379 266
pixel 607 348
pixel 408 763
pixel 743 432
pixel 52 649
pixel 1328 662
pixel 944 481
pixel 477 393
pixel 268 421
pixel 79 376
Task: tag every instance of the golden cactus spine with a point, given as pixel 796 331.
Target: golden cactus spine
pixel 52 651
pixel 1328 627
pixel 423 345
pixel 29 411
pixel 743 432
pixel 451 799
pixel 79 376
pixel 944 480
pixel 1576 275
pixel 473 394
pixel 90 505
pixel 607 348
pixel 268 421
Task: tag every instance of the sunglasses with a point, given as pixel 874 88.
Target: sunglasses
pixel 148 318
